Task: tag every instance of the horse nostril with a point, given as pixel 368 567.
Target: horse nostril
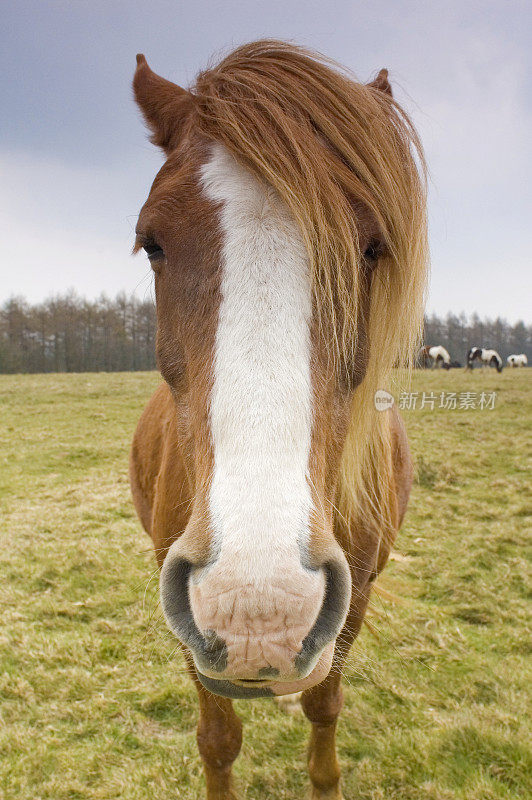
pixel 174 592
pixel 331 617
pixel 208 647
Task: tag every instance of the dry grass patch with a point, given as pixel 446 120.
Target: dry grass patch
pixel 95 702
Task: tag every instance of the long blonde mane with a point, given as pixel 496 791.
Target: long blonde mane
pixel 324 141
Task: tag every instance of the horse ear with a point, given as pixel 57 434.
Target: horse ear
pixel 382 83
pixel 165 105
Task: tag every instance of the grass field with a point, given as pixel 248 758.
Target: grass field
pixel 94 700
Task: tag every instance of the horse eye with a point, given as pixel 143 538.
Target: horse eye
pixel 153 251
pixel 372 252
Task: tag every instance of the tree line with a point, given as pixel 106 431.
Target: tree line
pixel 70 334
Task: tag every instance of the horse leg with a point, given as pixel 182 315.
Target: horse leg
pixel 219 736
pixel 322 705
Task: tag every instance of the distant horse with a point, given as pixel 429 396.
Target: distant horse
pixel 517 360
pixel 488 358
pixel 287 236
pixel 438 355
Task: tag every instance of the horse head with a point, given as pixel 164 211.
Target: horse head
pixel 265 241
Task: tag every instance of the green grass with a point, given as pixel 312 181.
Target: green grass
pixel 95 703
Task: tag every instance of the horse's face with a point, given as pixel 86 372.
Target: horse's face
pixel 256 586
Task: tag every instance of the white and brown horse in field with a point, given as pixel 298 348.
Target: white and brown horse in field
pixel 487 358
pixel 518 360
pixel 438 356
pixel 286 232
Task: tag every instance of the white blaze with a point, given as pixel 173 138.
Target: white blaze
pixel 261 402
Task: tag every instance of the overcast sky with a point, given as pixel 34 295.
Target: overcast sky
pixel 76 164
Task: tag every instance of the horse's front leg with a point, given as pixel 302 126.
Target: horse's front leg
pixel 219 736
pixel 322 705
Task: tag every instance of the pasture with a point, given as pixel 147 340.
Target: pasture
pixel 94 700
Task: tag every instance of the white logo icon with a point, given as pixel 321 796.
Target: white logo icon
pixel 383 400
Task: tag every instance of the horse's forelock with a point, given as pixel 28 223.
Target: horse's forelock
pixel 323 140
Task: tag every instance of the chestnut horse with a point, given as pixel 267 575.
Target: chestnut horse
pixel 438 355
pixel 286 232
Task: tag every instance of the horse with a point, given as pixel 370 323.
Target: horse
pixel 517 360
pixel 286 232
pixel 488 358
pixel 438 356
